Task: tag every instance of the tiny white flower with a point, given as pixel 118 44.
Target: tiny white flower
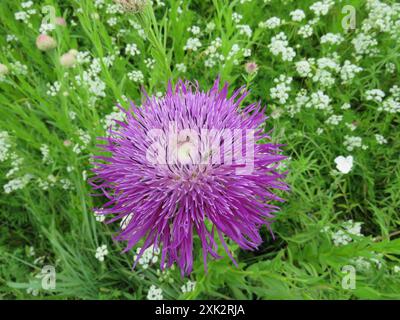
pixel 344 165
pixel 101 252
pixel 154 293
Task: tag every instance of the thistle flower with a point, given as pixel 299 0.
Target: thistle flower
pixel 132 5
pixel 175 168
pixel 45 43
pixel 251 67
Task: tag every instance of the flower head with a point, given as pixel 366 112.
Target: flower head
pixel 190 162
pixel 60 21
pixel 68 60
pixel 3 70
pixel 45 43
pixel 251 67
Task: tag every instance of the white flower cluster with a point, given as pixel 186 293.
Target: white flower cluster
pixel 282 89
pixel 213 56
pixel 363 264
pixel 66 184
pixel 195 30
pixel 280 46
pixel 306 31
pixel 321 8
pixel 91 76
pixel 18 68
pixel 300 101
pixel 332 38
pixel 303 68
pixel 149 256
pixel 245 30
pixel 136 76
pixel 132 49
pixel 138 28
pixel 349 71
pixel 84 140
pixel 25 15
pixel 109 119
pixel 114 8
pixel 395 91
pixel 17 183
pixel 235 49
pixel 334 120
pixel 192 44
pixel 50 181
pixel 181 67
pixel 149 62
pixel 166 275
pixel 271 23
pixel 53 88
pixel 297 15
pixel 101 252
pixel 345 234
pixel 381 16
pixel 365 44
pixel 154 293
pixel 320 101
pixel 353 142
pixel 46 27
pixel 380 139
pixel 83 57
pixel 16 162
pixel 236 17
pixel 345 106
pixel 390 105
pixel 323 75
pixel 188 286
pixel 5 145
pixel 44 149
pixel 375 95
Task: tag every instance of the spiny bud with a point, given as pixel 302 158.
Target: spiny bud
pixel 3 70
pixel 45 43
pixel 60 21
pixel 68 60
pixel 132 5
pixel 251 67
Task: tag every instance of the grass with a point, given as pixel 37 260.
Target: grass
pixel 53 216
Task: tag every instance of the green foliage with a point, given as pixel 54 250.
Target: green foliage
pixel 52 214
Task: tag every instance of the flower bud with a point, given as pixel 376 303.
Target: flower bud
pixel 60 21
pixel 3 70
pixel 251 67
pixel 45 43
pixel 68 60
pixel 132 5
pixel 67 143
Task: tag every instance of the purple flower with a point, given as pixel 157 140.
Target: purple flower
pixel 190 162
